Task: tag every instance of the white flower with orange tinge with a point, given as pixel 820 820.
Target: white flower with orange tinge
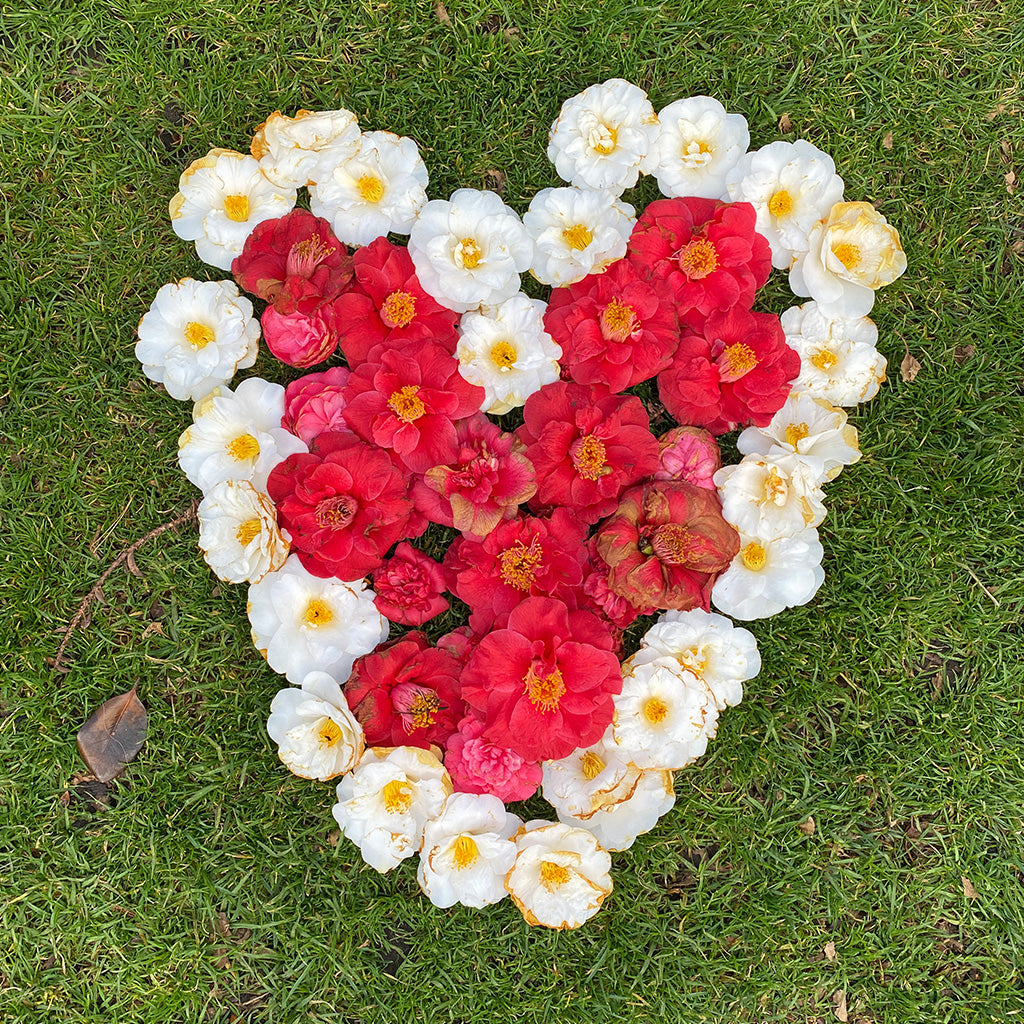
pixel 304 149
pixel 238 532
pixel 589 778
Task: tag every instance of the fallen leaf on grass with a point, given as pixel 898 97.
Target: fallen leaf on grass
pixel 969 891
pixel 830 952
pixel 498 179
pixel 807 827
pixel 909 368
pixel 962 353
pixel 839 998
pixel 887 141
pixel 785 124
pixel 113 735
pixel 441 13
pixel 1011 181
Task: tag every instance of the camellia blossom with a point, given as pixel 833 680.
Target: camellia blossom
pixel 381 187
pixel 505 350
pixel 221 197
pixel 698 144
pixel 477 765
pixel 302 623
pixel 560 877
pixel 589 778
pixel 195 336
pixel 238 532
pixel 237 435
pixel 618 610
pixel 690 454
pixel 409 585
pixel 304 149
pixel 385 803
pixel 301 339
pixel 576 232
pixel 314 404
pixel 850 254
pixel 604 137
pixel 469 250
pixel 317 736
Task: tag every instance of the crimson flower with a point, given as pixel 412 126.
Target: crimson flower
pixel 313 404
pixel 408 587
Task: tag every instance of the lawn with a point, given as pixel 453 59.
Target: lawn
pixel 850 848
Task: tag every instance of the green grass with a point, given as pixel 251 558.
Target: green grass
pixel 890 709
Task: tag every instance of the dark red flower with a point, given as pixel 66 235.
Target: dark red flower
pixel 313 404
pixel 620 612
pixel 408 587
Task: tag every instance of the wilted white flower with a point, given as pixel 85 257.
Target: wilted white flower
pixel 238 532
pixel 588 779
pixel 304 149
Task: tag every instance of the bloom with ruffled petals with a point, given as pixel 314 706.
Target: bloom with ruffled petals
pixel 409 586
pixel 314 404
pixel 238 532
pixel 620 612
pixel 304 149
pixel 688 453
pixel 477 765
pixel 301 339
pixel 589 778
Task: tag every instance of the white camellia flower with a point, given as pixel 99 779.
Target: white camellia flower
pixel 505 350
pixel 589 778
pixel 664 715
pixel 560 877
pixel 302 623
pixel 195 336
pixel 698 144
pixel 605 137
pixel 850 254
pixel 467 851
pixel 838 358
pixel 768 576
pixel 317 736
pixel 238 532
pixel 385 803
pixel 770 497
pixel 470 250
pixel 810 428
pixel 237 435
pixel 792 186
pixel 381 187
pixel 304 149
pixel 708 645
pixel 221 197
pixel 576 232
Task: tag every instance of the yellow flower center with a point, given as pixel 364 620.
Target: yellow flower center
pixel 519 565
pixel 780 204
pixel 736 361
pixel 422 709
pixel 329 733
pixel 398 309
pixel 552 875
pixel 698 259
pixel 603 139
pixel 588 456
pixel 397 796
pixel 464 852
pixel 774 488
pixel 578 237
pixel 237 208
pixel 405 405
pixel 503 355
pixel 371 188
pixel 753 556
pixel 674 544
pixel 468 253
pixel 198 335
pixel 544 691
pixel 317 613
pixel 247 531
pixel 592 765
pixel 795 433
pixel 655 710
pixel 617 321
pixel 245 446
pixel 847 253
pixel 824 360
pixel 693 659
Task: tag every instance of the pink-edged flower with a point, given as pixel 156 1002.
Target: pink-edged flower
pixel 485 483
pixel 409 586
pixel 300 339
pixel 409 401
pixel 477 765
pixel 314 404
pixel 690 454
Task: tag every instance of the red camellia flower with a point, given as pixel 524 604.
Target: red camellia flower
pixel 616 609
pixel 406 693
pixel 388 305
pixel 487 481
pixel 616 329
pixel 294 262
pixel 544 685
pixel 586 446
pixel 408 401
pixel 300 339
pixel 707 251
pixel 666 544
pixel 344 505
pixel 314 404
pixel 736 370
pixel 409 586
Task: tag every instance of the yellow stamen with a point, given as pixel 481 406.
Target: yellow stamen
pixel 589 457
pixel 592 765
pixel 578 237
pixel 318 613
pixel 237 208
pixel 617 321
pixel 469 253
pixel 603 139
pixel 847 253
pixel 464 852
pixel 245 446
pixel 371 188
pixel 329 733
pixel 198 335
pixel 698 259
pixel 519 565
pixel 247 531
pixel 824 360
pixel 780 204
pixel 422 710
pixel 753 556
pixel 795 433
pixel 736 361
pixel 405 405
pixel 775 488
pixel 544 691
pixel 655 710
pixel 553 875
pixel 398 309
pixel 504 355
pixel 397 796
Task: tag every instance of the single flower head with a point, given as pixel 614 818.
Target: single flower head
pixel 304 149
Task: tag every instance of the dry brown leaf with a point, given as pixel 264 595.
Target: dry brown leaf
pixel 113 735
pixel 909 368
pixel 497 180
pixel 830 952
pixel 995 111
pixel 807 827
pixel 153 627
pixel 441 13
pixel 1011 182
pixel 887 141
pixel 785 124
pixel 962 353
pixel 969 891
pixel 129 561
pixel 839 998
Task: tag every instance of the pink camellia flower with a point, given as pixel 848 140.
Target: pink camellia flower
pixel 478 766
pixel 690 454
pixel 544 684
pixel 487 481
pixel 666 544
pixel 409 586
pixel 300 339
pixel 314 404
pixel 409 401
pixel 586 446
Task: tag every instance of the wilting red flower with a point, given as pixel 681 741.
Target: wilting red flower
pixel 487 481
pixel 478 766
pixel 708 252
pixel 735 371
pixel 586 446
pixel 544 684
pixel 616 329
pixel 388 305
pixel 616 609
pixel 294 262
pixel 300 339
pixel 409 586
pixel 406 693
pixel 408 401
pixel 314 404
pixel 666 544
pixel 344 505
pixel 688 453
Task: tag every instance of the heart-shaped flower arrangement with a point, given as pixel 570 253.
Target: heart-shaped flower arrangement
pixel 568 527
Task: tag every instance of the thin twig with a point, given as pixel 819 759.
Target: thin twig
pixel 97 588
